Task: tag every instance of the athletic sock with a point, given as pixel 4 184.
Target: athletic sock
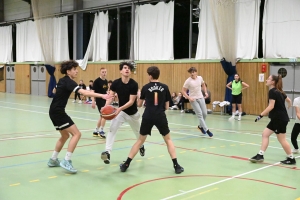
pixel 128 161
pixel 175 163
pixel 68 156
pixel 291 156
pixel 261 152
pixel 54 155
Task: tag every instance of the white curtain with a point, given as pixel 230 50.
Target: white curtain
pixel 228 29
pixel 28 46
pixel 6 44
pixel 281 29
pixel 153 32
pixel 98 45
pixel 53 37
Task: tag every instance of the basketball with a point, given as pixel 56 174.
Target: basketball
pixel 108 112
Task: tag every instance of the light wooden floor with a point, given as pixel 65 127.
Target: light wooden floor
pixel 215 168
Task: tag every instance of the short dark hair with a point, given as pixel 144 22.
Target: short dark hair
pixel 126 63
pixel 153 71
pixel 110 81
pixel 92 81
pixel 68 65
pixel 192 69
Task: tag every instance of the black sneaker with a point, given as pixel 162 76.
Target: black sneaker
pixel 288 161
pixel 257 158
pixel 178 169
pixel 101 134
pixel 123 167
pixel 105 156
pixel 210 134
pixel 201 129
pixel 95 134
pixel 142 151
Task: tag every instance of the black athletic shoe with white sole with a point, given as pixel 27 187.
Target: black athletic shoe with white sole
pixel 257 158
pixel 289 161
pixel 178 169
pixel 105 156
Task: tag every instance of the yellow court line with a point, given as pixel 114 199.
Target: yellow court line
pixel 85 170
pixel 182 151
pixel 298 198
pixel 114 165
pixel 202 149
pixel 161 156
pixel 138 160
pixel 32 181
pixel 52 177
pixel 100 168
pixel 67 174
pixel 200 193
pixel 150 158
pixel 222 146
pixel 15 184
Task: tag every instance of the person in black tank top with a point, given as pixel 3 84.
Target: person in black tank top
pixel 61 121
pixel 157 97
pixel 279 120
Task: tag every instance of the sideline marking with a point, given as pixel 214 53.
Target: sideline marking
pixel 15 184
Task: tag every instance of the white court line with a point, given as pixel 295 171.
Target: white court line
pixel 49 107
pixel 227 179
pixel 204 136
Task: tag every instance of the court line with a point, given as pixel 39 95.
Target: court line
pixel 193 176
pixel 49 107
pixel 222 181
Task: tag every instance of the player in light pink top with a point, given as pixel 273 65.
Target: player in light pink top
pixel 193 84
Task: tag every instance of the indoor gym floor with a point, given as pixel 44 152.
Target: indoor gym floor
pixel 215 168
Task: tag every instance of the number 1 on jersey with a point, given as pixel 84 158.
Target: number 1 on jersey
pixel 155 98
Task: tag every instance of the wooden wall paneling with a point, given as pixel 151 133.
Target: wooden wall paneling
pixel 3 82
pixel 22 79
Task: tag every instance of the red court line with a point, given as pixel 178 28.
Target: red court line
pixel 79 146
pixel 193 176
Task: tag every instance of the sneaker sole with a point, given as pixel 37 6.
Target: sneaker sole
pixel 95 135
pixel 179 172
pixel 255 161
pixel 287 163
pixel 104 158
pixel 101 136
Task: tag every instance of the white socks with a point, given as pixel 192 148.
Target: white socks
pixel 54 155
pixel 261 152
pixel 68 156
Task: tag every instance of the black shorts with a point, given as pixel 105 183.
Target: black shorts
pixel 161 124
pixel 278 126
pixel 237 99
pixel 61 121
pixel 100 103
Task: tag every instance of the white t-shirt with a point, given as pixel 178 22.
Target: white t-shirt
pixel 194 87
pixel 296 103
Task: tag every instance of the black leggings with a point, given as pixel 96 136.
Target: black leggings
pixel 295 133
pixel 77 95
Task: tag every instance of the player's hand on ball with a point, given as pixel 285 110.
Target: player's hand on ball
pixel 258 118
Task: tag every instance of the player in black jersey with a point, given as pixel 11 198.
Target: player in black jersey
pixel 100 86
pixel 61 121
pixel 157 97
pixel 279 120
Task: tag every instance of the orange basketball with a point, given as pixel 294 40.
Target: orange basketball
pixel 108 112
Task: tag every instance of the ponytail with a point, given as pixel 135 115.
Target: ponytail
pixel 278 83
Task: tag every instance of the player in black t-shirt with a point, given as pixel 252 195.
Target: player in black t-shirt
pixel 100 86
pixel 61 121
pixel 279 120
pixel 126 88
pixel 157 97
pixel 77 94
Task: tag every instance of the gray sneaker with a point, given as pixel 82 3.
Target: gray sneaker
pixel 67 165
pixel 53 163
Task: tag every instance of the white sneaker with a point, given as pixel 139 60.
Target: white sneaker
pixel 239 118
pixel 79 101
pixel 74 101
pixel 231 118
pixel 182 111
pixel 295 151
